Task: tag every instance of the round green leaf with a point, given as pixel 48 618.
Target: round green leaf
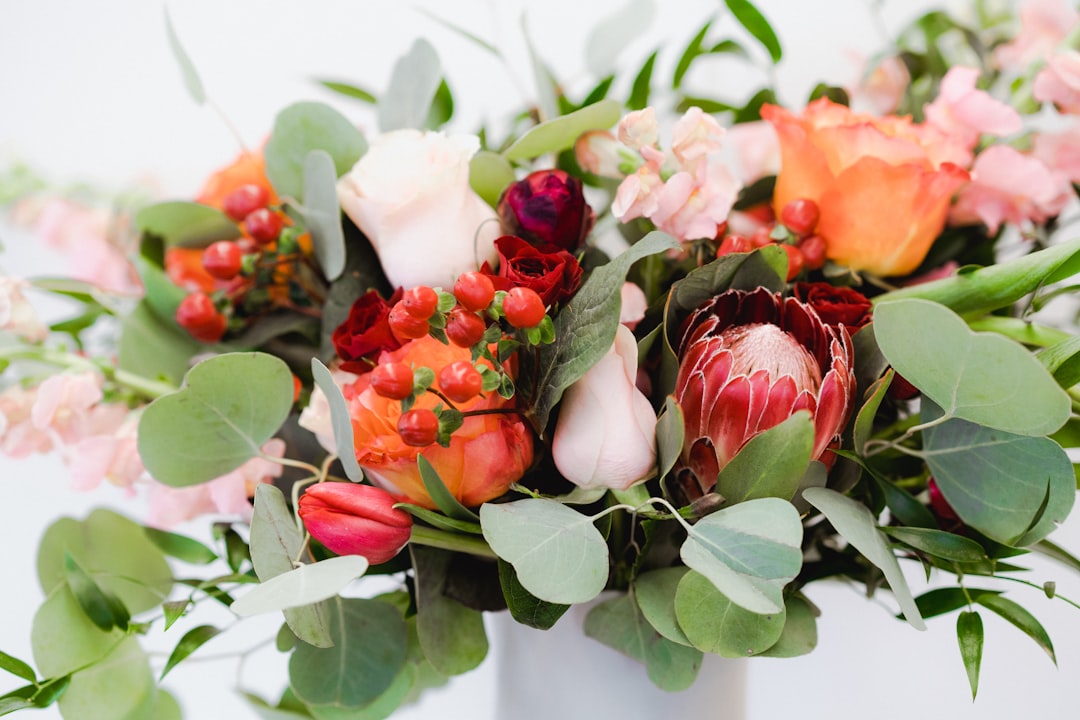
pixel 800 630
pixel 980 377
pixel 64 639
pixel 229 406
pixel 120 687
pixel 558 553
pixel 301 128
pixel 716 625
pixel 655 595
pixel 490 174
pixel 304 585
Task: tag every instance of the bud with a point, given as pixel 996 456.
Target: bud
pixel 355 520
pixel 547 207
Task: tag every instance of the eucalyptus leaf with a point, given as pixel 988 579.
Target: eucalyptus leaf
pixel 63 638
pixel 609 37
pixel 980 377
pixel 716 625
pixel 413 83
pixel 560 133
pixel 229 406
pixel 670 432
pixel 339 420
pixel 192 82
pixel 525 607
pixel 558 553
pixel 654 593
pixel 192 640
pixel 771 464
pixel 489 175
pixel 186 224
pixel 749 552
pixel 301 128
pixel 153 349
pixel 305 585
pixel 451 635
pixel 969 635
pixel 856 524
pixel 322 214
pixel 799 636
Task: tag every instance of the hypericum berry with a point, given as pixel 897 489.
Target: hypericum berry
pixel 420 301
pixel 734 244
pixel 264 225
pixel 762 237
pixel 393 380
pixel 200 317
pixel 464 328
pixel 419 427
pixel 474 290
pixel 795 261
pixel 800 216
pixel 460 381
pixel 405 326
pixel 245 200
pixel 223 259
pixel 523 308
pixel 813 250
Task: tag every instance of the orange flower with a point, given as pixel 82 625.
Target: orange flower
pixel 248 169
pixel 485 455
pixel 883 184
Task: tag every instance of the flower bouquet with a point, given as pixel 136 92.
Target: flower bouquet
pixel 670 357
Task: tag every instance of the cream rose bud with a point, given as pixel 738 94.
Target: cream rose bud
pixel 410 195
pixel 606 432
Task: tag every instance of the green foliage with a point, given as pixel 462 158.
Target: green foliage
pixel 969 635
pixel 756 24
pixel 938 543
pixel 229 406
pixel 185 224
pixel 525 607
pixel 799 636
pixel 440 495
pixel 192 82
pixel 670 434
pixel 771 464
pixel 301 128
pixel 102 607
pixel 609 37
pixel 413 84
pixel 152 348
pixel 339 420
pixel 451 635
pixel 560 133
pixel 654 593
pixel 1019 617
pixel 322 214
pixel 715 624
pixel 489 175
pixel 302 586
pixel 181 547
pixel 192 640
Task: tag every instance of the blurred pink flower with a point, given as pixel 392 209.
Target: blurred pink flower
pixel 1060 151
pixel 638 194
pixel 756 149
pixel 17 315
pixel 633 305
pixel 964 112
pixel 1059 82
pixel 226 495
pixel 694 138
pixel 639 129
pixel 598 152
pixel 1043 25
pixel 64 404
pixel 881 90
pixel 1009 186
pixel 690 207
pixel 19 437
pixel 109 456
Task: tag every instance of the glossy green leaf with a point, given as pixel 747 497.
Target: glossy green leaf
pixel 904 507
pixel 585 328
pixel 856 524
pixel 1012 488
pixel 451 635
pixel 969 634
pixel 438 520
pixel 193 639
pixel 11 703
pixel 525 607
pixel 186 224
pixel 940 601
pixel 716 625
pixel 864 420
pixel 979 377
pixel 619 624
pixel 349 90
pixel 771 464
pixel 304 585
pixel 322 214
pixel 692 51
pixel 749 552
pixel 181 547
pixel 1063 360
pixel 642 87
pixel 369 639
pixel 558 553
pixel 765 267
pixel 799 636
pixel 275 544
pixel 339 420
pixel 229 406
pixel 670 434
pixel 1019 617
pixel 413 83
pixel 192 82
pixel 440 495
pixel 609 37
pixel 756 24
pixel 17 667
pixel 560 133
pixel 939 543
pixel 654 592
pixel 489 175
pixel 301 128
pixel 102 607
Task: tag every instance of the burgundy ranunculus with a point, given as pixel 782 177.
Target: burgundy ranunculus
pixel 547 207
pixel 355 520
pixel 747 362
pixel 366 332
pixel 836 305
pixel 554 274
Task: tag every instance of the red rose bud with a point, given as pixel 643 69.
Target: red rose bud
pixel 547 207
pixel 553 274
pixel 836 305
pixel 366 332
pixel 355 520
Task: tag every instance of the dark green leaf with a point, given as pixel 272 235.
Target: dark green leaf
pixel 944 600
pixel 451 635
pixel 903 506
pixel 1063 556
pixel 1063 361
pixel 187 69
pixel 756 24
pixel 692 51
pixel 836 94
pixel 440 495
pixel 50 691
pixel 237 551
pixel 181 547
pixel 17 667
pixel 864 420
pixel 441 521
pixel 442 107
pixel 174 610
pixel 301 128
pixel 641 89
pixel 102 607
pixel 525 607
pixel 193 639
pixel 938 543
pixel 1021 618
pixel 349 90
pixel 969 633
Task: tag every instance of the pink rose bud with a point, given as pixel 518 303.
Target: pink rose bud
pixel 547 207
pixel 355 520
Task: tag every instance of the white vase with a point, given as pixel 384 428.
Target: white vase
pixel 560 674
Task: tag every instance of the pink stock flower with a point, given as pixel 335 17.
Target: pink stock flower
pixel 964 112
pixel 113 457
pixel 226 495
pixel 599 153
pixel 1059 82
pixel 638 194
pixel 690 207
pixel 19 437
pixel 17 315
pixel 747 362
pixel 756 149
pixel 606 432
pixel 1060 151
pixel 64 404
pixel 1009 186
pixel 639 129
pixel 694 138
pixel 1043 25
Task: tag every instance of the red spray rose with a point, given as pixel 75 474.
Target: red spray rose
pixel 547 207
pixel 552 273
pixel 355 520
pixel 366 332
pixel 836 305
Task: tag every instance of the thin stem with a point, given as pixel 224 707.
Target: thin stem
pixel 144 386
pixel 1038 587
pixel 288 462
pixel 451 541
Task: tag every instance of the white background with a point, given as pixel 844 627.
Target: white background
pixel 89 92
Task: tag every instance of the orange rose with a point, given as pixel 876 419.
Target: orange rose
pixel 248 169
pixel 485 455
pixel 883 184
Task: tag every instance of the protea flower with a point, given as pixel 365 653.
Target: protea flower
pixel 747 361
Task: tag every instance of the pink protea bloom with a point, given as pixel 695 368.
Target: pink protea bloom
pixel 1059 82
pixel 1009 186
pixel 747 362
pixel 965 112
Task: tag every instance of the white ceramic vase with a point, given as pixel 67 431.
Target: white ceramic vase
pixel 560 674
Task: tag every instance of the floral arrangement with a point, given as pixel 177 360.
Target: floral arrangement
pixel 695 354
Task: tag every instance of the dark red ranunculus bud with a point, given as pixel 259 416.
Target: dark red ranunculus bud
pixel 836 305
pixel 547 207
pixel 553 274
pixel 366 332
pixel 355 520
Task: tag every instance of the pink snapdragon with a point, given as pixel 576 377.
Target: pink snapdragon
pixel 1043 25
pixel 1059 82
pixel 17 315
pixel 882 89
pixel 67 407
pixel 112 457
pixel 1009 186
pixel 1060 151
pixel 964 112
pixel 19 437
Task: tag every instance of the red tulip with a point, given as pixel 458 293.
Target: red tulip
pixel 747 362
pixel 355 520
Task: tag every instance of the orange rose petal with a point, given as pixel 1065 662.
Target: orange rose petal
pixel 842 147
pixel 247 169
pixel 805 172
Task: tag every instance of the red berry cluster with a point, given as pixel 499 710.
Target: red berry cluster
pixel 795 234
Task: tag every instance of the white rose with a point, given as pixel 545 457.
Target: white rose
pixel 410 196
pixel 606 432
